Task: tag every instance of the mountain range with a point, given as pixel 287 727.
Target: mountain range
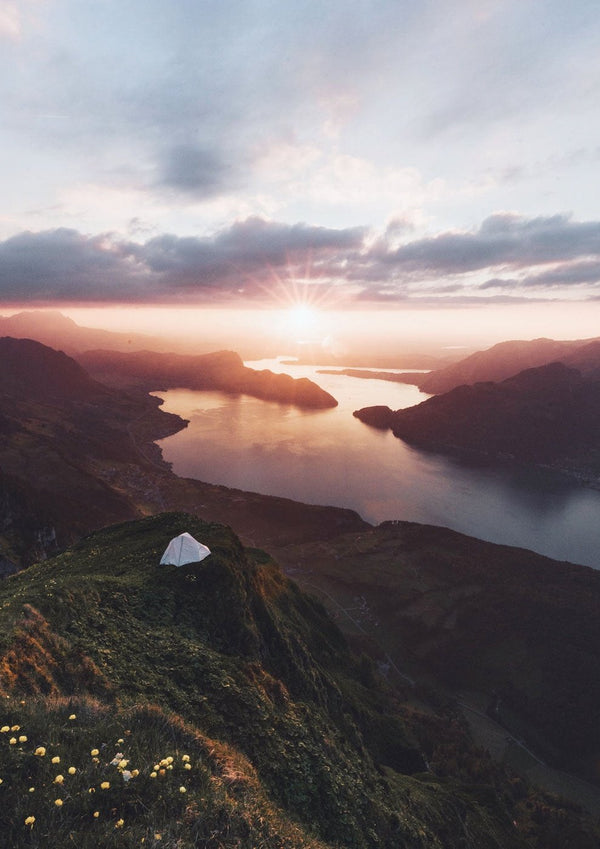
pixel 294 738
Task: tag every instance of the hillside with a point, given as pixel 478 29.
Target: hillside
pixel 222 370
pixel 507 359
pixel 76 455
pixel 520 630
pixel 546 415
pixel 236 687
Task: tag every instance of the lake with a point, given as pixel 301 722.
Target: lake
pixel 329 457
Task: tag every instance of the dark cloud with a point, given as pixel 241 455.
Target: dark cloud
pixel 195 171
pixel 64 265
pixel 250 256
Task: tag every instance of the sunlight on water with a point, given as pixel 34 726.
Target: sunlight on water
pixel 329 457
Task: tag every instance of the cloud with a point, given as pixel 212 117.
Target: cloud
pixel 194 171
pixel 503 239
pixel 252 257
pixel 66 266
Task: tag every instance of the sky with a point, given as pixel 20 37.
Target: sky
pixel 370 156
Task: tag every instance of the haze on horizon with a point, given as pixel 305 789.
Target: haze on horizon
pixel 367 173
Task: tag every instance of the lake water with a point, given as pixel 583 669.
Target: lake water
pixel 329 457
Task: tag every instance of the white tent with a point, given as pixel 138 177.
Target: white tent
pixel 184 549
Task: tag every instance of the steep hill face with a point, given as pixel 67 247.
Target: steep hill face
pixel 222 370
pixel 244 659
pixel 33 371
pixel 520 629
pixel 506 360
pixel 544 415
pixel 68 444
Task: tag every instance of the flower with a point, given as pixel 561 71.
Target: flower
pixel 120 823
pixel 122 763
pixel 23 738
pixel 40 751
pixel 13 741
pixel 126 775
pixel 72 770
pixel 4 730
pixel 29 821
pixel 55 759
pixel 105 785
pixel 73 716
pixel 58 803
pixel 16 728
pixel 187 766
pixel 135 773
pixel 182 790
pixel 185 758
pixel 96 814
pixel 94 752
pixel 120 741
pixel 32 789
pixel 59 779
pixel 153 775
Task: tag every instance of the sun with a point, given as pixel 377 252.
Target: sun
pixel 302 319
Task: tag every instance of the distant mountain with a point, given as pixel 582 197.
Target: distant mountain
pixel 507 359
pixel 544 415
pixel 223 370
pixel 54 329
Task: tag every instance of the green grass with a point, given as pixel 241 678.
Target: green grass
pixel 292 740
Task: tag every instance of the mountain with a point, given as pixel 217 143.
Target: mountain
pixel 217 705
pixel 507 359
pixel 516 634
pixel 222 370
pixel 545 415
pixel 54 329
pixel 76 455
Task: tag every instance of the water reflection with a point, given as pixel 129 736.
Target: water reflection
pixel 329 457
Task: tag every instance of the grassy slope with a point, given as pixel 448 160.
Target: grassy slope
pixel 236 653
pixel 517 626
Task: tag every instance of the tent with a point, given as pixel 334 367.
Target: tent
pixel 184 549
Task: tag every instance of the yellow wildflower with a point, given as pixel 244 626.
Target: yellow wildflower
pixel 185 758
pixel 73 716
pixel 156 767
pixel 55 759
pixel 29 821
pixel 105 785
pixel 94 752
pixel 72 770
pixel 169 760
pixel 59 779
pixel 120 823
pixel 13 741
pixel 182 790
pixel 187 766
pixel 120 740
pixel 32 789
pixel 16 728
pixel 153 775
pixel 5 729
pixel 96 814
pixel 23 738
pixel 40 751
pixel 58 803
pixel 122 763
pixel 135 773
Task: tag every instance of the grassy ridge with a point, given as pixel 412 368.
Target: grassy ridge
pixel 312 747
